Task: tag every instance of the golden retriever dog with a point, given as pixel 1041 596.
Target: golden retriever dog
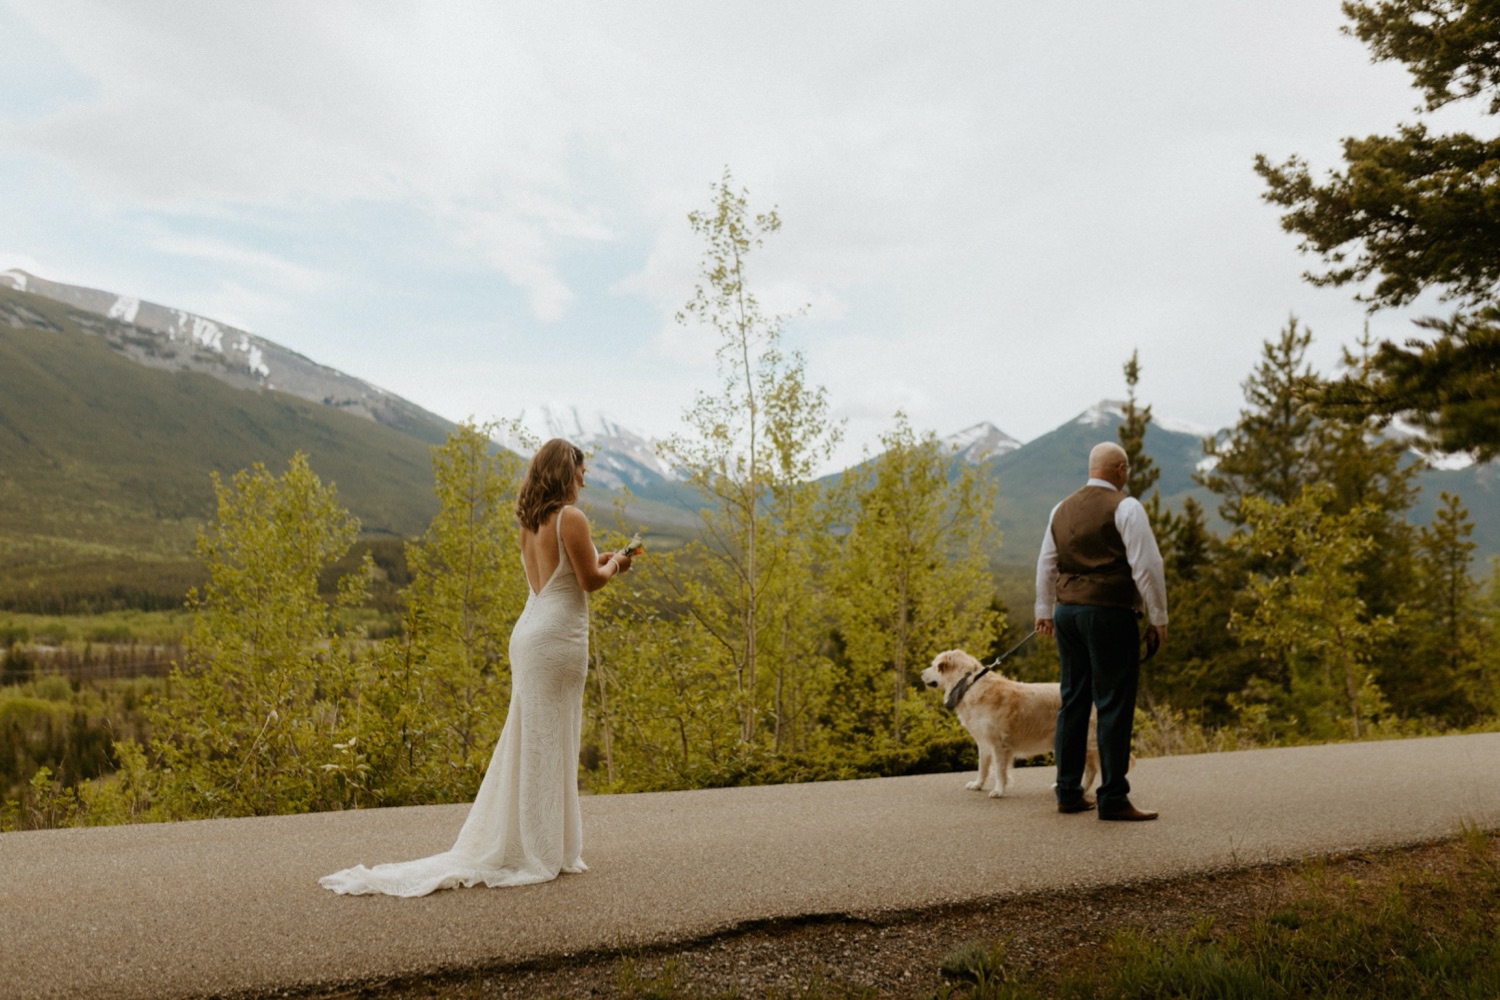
pixel 1008 719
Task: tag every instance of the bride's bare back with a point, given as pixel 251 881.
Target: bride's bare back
pixel 539 554
pixel 540 559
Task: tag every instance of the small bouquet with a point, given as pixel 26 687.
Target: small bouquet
pixel 633 547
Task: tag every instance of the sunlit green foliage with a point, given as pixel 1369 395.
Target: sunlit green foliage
pixel 662 703
pixel 1312 614
pixel 912 580
pixel 750 450
pixel 257 719
pixel 439 693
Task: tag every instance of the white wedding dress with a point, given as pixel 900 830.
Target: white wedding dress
pixel 524 825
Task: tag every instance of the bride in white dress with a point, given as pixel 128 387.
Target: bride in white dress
pixel 524 825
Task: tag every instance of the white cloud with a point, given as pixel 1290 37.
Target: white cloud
pixel 986 207
pixel 283 272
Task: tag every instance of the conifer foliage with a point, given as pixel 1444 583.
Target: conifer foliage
pixel 1415 211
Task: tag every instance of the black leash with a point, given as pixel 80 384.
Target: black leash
pixel 956 694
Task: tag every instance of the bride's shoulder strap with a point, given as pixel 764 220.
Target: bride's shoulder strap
pixel 561 551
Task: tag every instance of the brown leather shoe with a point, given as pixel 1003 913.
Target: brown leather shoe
pixel 1082 805
pixel 1126 812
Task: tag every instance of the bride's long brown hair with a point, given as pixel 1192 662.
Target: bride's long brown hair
pixel 551 482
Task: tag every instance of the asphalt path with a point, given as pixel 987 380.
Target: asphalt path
pixel 234 906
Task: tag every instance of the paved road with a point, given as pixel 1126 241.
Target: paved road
pixel 187 909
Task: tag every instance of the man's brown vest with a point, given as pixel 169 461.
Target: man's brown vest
pixel 1091 563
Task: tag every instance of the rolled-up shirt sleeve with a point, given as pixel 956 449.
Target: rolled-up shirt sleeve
pixel 1046 572
pixel 1144 556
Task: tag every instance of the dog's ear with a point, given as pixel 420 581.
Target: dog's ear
pixel 957 659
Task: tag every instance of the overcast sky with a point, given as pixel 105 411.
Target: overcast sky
pixel 482 206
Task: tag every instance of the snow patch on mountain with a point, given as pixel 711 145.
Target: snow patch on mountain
pixel 1184 427
pixel 198 330
pixel 125 309
pixel 980 442
pixel 1102 414
pixel 15 279
pixel 617 455
pixel 255 358
pixel 1108 412
pixel 1416 441
pixel 1448 463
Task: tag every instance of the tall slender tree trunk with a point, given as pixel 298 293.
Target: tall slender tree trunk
pixel 898 659
pixel 1351 690
pixel 753 510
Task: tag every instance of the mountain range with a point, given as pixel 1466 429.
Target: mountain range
pixel 114 411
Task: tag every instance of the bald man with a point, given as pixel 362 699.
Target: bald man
pixel 1098 566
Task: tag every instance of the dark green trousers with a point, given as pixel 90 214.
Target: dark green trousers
pixel 1101 668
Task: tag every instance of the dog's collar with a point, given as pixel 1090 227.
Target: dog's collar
pixel 956 692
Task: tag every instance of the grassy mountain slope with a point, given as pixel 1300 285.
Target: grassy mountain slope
pixel 162 337
pixel 105 462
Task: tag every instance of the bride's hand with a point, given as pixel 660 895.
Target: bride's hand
pixel 623 558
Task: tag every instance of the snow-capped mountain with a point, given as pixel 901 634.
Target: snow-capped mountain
pixel 1111 413
pixel 980 442
pixel 618 456
pixel 1031 475
pixel 162 337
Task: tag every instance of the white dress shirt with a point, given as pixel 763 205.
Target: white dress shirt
pixel 1140 550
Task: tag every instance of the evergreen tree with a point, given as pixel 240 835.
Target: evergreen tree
pixel 1141 480
pixel 1415 211
pixel 1373 472
pixel 1203 666
pixel 1487 697
pixel 1312 615
pixel 1449 386
pixel 1194 672
pixel 1449 682
pixel 1277 445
